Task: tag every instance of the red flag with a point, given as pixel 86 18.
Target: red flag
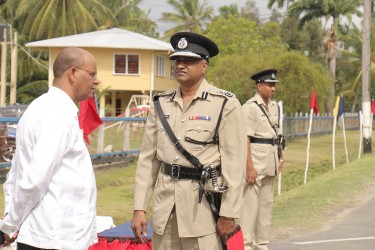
pixel 314 103
pixel 372 106
pixel 88 117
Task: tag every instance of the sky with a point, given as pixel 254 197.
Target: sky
pixel 156 7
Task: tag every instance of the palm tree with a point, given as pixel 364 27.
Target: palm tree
pixel 128 15
pixel 353 53
pixel 27 93
pixel 190 15
pixel 334 9
pixel 53 18
pixel 229 10
pixel 280 3
pixel 8 11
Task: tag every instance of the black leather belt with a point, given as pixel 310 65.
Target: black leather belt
pixel 272 141
pixel 181 172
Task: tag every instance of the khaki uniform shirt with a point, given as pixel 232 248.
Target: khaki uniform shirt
pixel 264 156
pixel 193 219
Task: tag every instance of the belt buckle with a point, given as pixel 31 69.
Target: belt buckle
pixel 175 171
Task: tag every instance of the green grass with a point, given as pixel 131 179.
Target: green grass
pixel 113 135
pixel 115 192
pixel 305 207
pixel 320 158
pixel 298 205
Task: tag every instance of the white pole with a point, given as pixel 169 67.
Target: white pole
pixel 3 77
pixel 360 134
pixel 308 146
pixel 281 119
pixel 333 141
pixel 13 70
pixel 100 148
pixel 343 131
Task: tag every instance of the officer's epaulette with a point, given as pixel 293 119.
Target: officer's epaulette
pixel 166 93
pixel 221 92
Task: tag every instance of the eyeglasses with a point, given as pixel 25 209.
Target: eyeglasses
pixel 92 74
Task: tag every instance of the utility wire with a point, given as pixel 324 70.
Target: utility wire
pixel 33 58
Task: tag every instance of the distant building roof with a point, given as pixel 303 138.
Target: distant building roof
pixel 111 38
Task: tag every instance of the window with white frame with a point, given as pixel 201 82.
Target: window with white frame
pixel 160 66
pixel 126 64
pixel 173 64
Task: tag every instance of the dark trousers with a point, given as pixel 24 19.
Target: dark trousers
pixel 21 246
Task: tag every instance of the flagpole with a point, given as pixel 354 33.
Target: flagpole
pixel 343 131
pixel 336 115
pixel 308 147
pixel 360 134
pixel 333 142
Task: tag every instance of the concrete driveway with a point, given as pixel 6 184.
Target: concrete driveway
pixel 355 231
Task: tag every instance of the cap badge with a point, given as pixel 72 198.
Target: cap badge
pixel 273 76
pixel 182 44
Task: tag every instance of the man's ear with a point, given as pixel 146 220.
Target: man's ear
pixel 258 86
pixel 72 75
pixel 204 66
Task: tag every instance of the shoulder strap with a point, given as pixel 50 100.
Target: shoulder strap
pixel 264 112
pixel 191 158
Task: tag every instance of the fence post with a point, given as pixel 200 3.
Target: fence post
pixel 126 146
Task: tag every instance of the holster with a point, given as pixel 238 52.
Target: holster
pixel 216 197
pixel 217 202
pixel 282 142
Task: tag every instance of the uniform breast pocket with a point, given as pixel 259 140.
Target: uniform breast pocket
pixel 163 139
pixel 263 119
pixel 198 133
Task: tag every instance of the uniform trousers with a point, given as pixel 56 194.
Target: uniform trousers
pixel 170 240
pixel 256 213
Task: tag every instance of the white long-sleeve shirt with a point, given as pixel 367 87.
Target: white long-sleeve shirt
pixel 50 192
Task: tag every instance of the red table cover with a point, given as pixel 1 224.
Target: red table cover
pixel 120 244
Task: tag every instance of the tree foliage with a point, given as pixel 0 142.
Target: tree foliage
pixel 293 44
pixel 31 91
pixel 234 35
pixel 54 18
pixel 251 49
pixel 128 15
pixel 189 15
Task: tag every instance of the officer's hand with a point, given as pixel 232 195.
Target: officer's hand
pixel 139 225
pixel 225 226
pixel 251 175
pixel 9 240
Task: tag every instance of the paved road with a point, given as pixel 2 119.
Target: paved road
pixel 356 231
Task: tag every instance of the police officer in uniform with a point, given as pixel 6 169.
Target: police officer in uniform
pixel 264 161
pixel 208 123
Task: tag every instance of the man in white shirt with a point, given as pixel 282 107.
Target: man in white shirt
pixel 50 192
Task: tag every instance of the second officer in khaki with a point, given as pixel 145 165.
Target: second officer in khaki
pixel 264 161
pixel 208 124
